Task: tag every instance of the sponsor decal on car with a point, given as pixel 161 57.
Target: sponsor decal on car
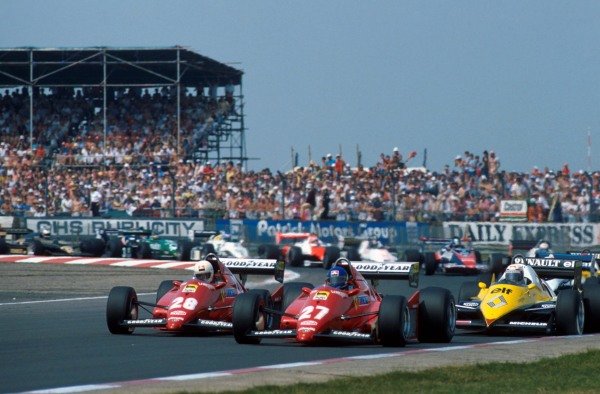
pixel 276 332
pixel 321 295
pixel 308 323
pixel 249 263
pixel 190 288
pixel 349 334
pixel 178 313
pixel 145 321
pixel 471 304
pixel 307 329
pixel 175 319
pixel 215 323
pixel 497 302
pixel 527 323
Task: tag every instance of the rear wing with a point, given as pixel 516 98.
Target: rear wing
pixel 550 267
pixel 14 231
pixel 255 267
pixel 435 241
pixel 280 236
pixel 589 260
pixel 114 232
pixel 202 234
pixel 396 270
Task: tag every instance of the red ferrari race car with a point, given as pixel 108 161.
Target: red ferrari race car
pixel 203 302
pixel 451 256
pixel 348 308
pixel 300 249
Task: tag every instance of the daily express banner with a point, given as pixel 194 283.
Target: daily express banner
pixel 90 226
pixel 263 231
pixel 574 234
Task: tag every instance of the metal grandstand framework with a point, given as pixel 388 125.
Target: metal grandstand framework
pixel 107 67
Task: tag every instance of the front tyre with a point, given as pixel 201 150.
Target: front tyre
pixel 247 314
pixel 122 305
pixel 570 313
pixel 429 263
pixel 393 322
pixel 437 315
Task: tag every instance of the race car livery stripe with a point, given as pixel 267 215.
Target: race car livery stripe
pixel 248 371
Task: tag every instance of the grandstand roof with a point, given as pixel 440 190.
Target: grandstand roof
pixel 124 67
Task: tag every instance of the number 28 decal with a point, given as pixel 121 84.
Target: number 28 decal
pixel 307 312
pixel 189 303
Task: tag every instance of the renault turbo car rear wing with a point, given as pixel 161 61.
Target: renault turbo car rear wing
pixel 550 267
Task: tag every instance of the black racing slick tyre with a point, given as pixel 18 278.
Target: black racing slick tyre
pixel 93 247
pixel 268 251
pixel 268 302
pixel 468 290
pixel 332 253
pixel 412 255
pixel 115 247
pixel 591 302
pixel 353 254
pixel 294 256
pixel 3 246
pixel 185 249
pixel 143 251
pixel 38 248
pixel 164 287
pixel 436 315
pixel 429 263
pixel 247 315
pixel 122 305
pixel 570 313
pixel 496 264
pixel 393 322
pixel 208 249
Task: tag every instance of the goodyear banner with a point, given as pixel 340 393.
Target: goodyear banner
pixel 573 234
pixel 90 226
pixel 263 231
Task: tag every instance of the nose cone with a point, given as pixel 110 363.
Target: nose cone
pixel 305 334
pixel 501 300
pixel 174 324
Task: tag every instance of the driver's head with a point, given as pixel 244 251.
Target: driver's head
pixel 337 277
pixel 514 273
pixel 203 270
pixel 45 232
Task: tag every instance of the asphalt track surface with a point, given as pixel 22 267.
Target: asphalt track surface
pixel 53 330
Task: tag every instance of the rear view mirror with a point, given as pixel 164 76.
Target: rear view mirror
pixel 531 286
pixel 353 292
pixel 220 285
pixel 482 285
pixel 306 290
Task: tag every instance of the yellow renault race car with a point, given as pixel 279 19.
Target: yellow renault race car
pixel 523 300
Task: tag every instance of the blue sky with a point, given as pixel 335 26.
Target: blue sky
pixel 517 77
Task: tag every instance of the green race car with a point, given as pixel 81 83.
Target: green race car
pixel 142 244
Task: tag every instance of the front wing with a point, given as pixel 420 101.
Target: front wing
pixel 538 317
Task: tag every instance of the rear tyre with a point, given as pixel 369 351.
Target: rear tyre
pixel 267 324
pixel 412 255
pixel 393 322
pixel 185 246
pixel 208 249
pixel 38 248
pixel 3 246
pixel 268 251
pixel 121 305
pixel 115 247
pixel 496 264
pixel 332 253
pixel 570 313
pixel 93 247
pixel 437 315
pixel 164 287
pixel 353 254
pixel 477 257
pixel 294 256
pixel 591 302
pixel 429 263
pixel 468 290
pixel 144 251
pixel 246 315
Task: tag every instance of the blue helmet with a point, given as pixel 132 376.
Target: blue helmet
pixel 337 277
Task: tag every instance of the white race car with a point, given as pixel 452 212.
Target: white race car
pixel 217 243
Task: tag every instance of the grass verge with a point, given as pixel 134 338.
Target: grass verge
pixel 571 373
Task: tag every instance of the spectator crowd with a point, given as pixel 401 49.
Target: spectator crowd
pixel 71 169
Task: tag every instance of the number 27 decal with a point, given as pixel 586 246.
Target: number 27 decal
pixel 307 312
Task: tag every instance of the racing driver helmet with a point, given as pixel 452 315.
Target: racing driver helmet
pixel 203 270
pixel 337 277
pixel 514 273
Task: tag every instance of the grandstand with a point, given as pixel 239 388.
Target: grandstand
pixel 202 97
